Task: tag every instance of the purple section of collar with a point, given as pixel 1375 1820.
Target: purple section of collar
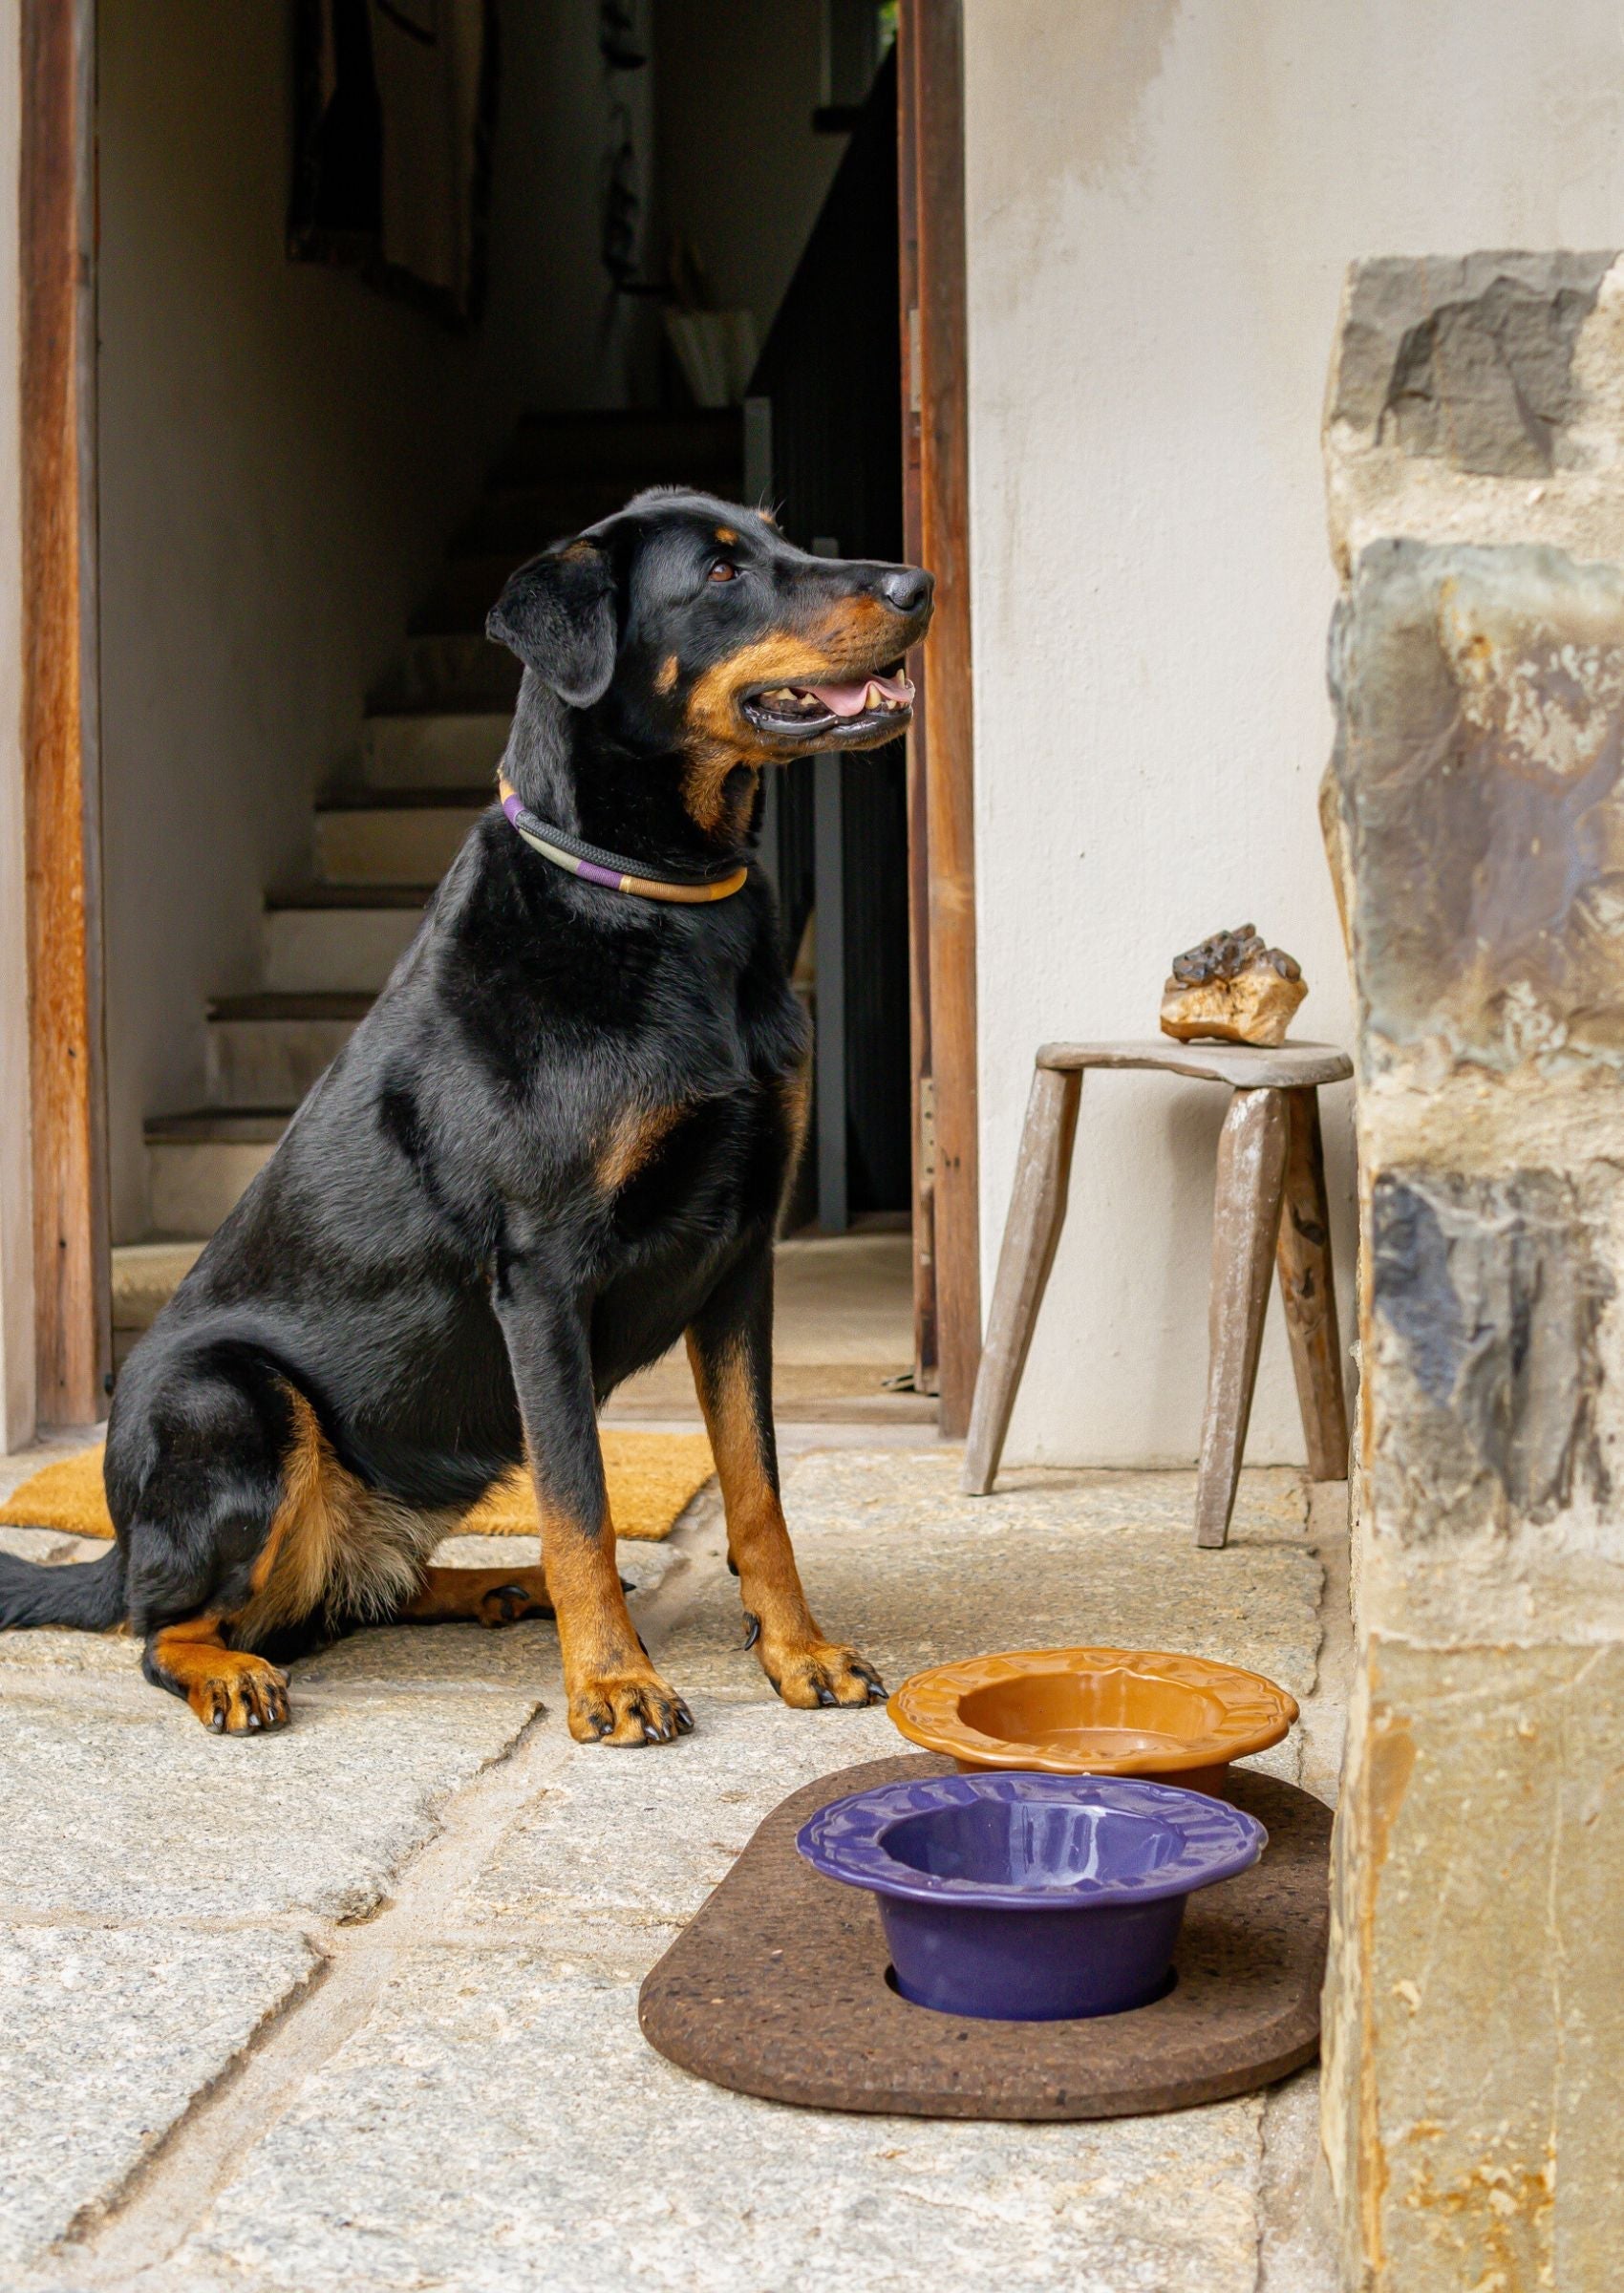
pixel 590 874
pixel 512 806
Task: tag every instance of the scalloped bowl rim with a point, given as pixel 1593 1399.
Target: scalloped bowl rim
pixel 845 1840
pixel 1258 1712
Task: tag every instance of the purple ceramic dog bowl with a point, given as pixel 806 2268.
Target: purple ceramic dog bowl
pixel 1031 1899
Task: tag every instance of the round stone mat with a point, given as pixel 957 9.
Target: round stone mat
pixel 779 1988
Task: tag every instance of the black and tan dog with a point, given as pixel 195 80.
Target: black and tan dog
pixel 558 1141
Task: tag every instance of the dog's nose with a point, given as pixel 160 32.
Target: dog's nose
pixel 907 588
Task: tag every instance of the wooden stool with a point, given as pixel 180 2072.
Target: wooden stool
pixel 1270 1155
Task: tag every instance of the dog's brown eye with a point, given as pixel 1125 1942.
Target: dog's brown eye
pixel 722 570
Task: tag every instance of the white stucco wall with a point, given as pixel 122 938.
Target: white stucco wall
pixel 1163 199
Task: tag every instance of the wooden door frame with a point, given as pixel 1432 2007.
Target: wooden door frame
pixel 941 750
pixel 61 749
pixel 61 709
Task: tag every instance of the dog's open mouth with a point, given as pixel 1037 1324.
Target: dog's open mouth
pixel 882 702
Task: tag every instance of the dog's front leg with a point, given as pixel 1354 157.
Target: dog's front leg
pixel 615 1696
pixel 730 1348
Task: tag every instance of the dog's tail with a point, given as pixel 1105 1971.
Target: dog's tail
pixel 87 1595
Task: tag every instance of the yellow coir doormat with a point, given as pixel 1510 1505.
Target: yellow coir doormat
pixel 651 1477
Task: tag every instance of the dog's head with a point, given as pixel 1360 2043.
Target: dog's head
pixel 691 628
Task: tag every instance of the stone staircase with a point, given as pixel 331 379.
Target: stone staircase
pixel 424 767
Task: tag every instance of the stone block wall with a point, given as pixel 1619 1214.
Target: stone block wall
pixel 1475 812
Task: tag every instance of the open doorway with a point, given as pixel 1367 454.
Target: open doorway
pixel 314 477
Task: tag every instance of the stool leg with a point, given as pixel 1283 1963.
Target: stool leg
pixel 1308 1291
pixel 1246 1214
pixel 1037 1211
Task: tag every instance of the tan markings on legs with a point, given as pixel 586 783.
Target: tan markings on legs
pixel 234 1693
pixel 795 1093
pixel 478 1596
pixel 334 1546
pixel 635 1136
pixel 614 1694
pixel 804 1667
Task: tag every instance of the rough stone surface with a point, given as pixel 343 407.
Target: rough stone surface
pixel 1482 1855
pixel 1490 1295
pixel 316 1819
pixel 1256 1008
pixel 1477 814
pixel 1478 399
pixel 499 2125
pixel 1481 733
pixel 106 2035
pixel 1465 358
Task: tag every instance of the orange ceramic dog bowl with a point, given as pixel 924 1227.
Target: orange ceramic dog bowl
pixel 1095 1711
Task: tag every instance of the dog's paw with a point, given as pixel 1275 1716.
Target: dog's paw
pixel 628 1707
pixel 818 1671
pixel 246 1696
pixel 511 1604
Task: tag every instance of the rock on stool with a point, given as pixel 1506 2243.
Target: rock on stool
pixel 1270 1208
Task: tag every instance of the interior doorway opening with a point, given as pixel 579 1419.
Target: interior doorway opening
pixel 315 477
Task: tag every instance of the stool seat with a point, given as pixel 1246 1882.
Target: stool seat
pixel 1270 1210
pixel 1244 1066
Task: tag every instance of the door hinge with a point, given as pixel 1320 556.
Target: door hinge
pixel 926 1133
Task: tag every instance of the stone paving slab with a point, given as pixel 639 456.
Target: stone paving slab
pixel 134 1797
pixel 496 2120
pixel 654 1836
pixel 497 2125
pixel 106 2035
pixel 896 1560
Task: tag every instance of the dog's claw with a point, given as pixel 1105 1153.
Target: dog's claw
pixel 732 1566
pixel 821 1674
pixel 752 1629
pixel 627 1706
pixel 684 1721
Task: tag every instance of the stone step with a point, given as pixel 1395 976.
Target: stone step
pixel 452 669
pixel 633 448
pixel 323 941
pixel 267 1050
pixel 198 1164
pixel 398 836
pixel 434 748
pixel 145 1278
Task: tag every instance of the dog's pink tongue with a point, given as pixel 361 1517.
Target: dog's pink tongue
pixel 851 700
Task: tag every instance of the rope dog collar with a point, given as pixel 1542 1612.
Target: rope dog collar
pixel 607 869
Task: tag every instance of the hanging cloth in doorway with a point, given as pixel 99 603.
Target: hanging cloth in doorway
pixel 396 120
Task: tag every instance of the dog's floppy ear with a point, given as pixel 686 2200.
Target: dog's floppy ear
pixel 557 614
